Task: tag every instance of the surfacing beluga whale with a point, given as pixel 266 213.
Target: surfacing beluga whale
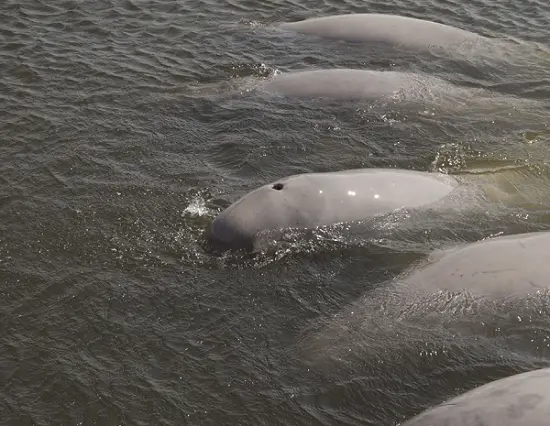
pixel 410 92
pixel 500 267
pixel 480 289
pixel 383 28
pixel 311 200
pixel 420 35
pixel 356 84
pixel 316 199
pixel 519 400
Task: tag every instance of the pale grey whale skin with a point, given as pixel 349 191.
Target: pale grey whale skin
pixel 519 400
pixel 506 266
pixel 354 84
pixel 392 29
pixel 315 199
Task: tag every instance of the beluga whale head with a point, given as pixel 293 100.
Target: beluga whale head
pixel 285 203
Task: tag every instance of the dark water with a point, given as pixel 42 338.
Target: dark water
pixel 120 142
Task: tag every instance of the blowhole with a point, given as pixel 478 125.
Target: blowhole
pixel 277 186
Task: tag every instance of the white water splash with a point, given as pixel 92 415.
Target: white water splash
pixel 197 207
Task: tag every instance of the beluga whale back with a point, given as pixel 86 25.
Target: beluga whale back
pixel 502 267
pixel 355 84
pixel 519 400
pixel 382 28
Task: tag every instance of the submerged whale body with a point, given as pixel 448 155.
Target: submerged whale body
pixel 352 84
pixel 505 266
pixel 519 400
pixel 315 199
pixel 392 29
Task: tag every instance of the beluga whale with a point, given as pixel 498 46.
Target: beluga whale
pixel 395 30
pixel 503 54
pixel 310 200
pixel 519 400
pixel 482 289
pixel 358 84
pixel 410 92
pixel 499 267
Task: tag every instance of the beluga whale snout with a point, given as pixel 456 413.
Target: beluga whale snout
pixel 262 209
pixel 311 200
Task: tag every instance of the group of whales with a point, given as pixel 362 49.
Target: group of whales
pixel 393 30
pixel 499 267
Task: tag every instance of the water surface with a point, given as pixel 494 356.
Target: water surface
pixel 122 136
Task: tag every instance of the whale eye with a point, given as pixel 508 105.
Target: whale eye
pixel 277 186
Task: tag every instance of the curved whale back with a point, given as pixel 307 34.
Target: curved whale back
pixel 498 267
pixel 316 199
pixel 393 29
pixel 349 84
pixel 519 400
